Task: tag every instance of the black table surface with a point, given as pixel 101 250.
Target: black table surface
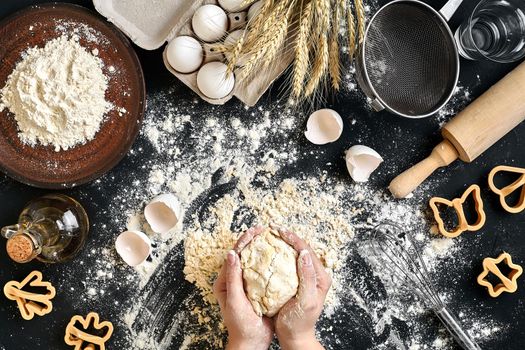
pixel 402 142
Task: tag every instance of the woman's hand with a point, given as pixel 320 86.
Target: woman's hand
pixel 295 323
pixel 246 330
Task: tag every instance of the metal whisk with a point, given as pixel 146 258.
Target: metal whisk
pixel 396 252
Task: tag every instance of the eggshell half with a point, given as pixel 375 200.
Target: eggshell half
pixel 163 213
pixel 134 247
pixel 324 126
pixel 361 162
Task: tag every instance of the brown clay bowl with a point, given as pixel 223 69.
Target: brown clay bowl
pixel 41 166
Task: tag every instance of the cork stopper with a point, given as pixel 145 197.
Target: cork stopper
pixel 20 248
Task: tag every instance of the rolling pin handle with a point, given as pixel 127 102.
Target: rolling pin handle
pixel 442 155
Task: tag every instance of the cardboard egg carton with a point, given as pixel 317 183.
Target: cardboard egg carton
pixel 151 24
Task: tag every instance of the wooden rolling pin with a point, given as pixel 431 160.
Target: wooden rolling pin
pixel 471 132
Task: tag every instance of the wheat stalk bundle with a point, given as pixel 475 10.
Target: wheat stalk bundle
pixel 309 29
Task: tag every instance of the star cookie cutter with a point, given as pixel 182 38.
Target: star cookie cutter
pixel 509 189
pixel 508 283
pixel 76 336
pixel 457 204
pixel 31 304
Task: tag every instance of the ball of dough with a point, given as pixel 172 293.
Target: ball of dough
pixel 269 267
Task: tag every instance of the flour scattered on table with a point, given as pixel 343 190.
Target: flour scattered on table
pixel 232 173
pixel 57 94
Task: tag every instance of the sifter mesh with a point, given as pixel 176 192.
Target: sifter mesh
pixel 410 58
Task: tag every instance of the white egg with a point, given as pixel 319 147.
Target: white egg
pixel 163 213
pixel 214 81
pixel 210 23
pixel 185 54
pixel 134 247
pixel 324 126
pixel 234 5
pixel 361 162
pixel 231 40
pixel 233 37
pixel 254 10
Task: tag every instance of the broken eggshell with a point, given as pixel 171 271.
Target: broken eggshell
pixel 324 126
pixel 134 247
pixel 163 213
pixel 361 162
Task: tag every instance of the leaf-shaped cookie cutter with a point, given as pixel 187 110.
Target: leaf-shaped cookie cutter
pixel 77 337
pixel 31 304
pixel 508 283
pixel 509 189
pixel 457 204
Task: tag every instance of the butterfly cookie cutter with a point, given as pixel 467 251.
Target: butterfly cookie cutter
pixel 31 304
pixel 508 283
pixel 77 337
pixel 457 204
pixel 509 189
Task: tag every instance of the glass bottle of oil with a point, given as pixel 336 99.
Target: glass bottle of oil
pixel 51 229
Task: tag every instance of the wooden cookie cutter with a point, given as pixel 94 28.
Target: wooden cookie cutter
pixel 29 303
pixel 508 283
pixel 457 204
pixel 77 337
pixel 509 189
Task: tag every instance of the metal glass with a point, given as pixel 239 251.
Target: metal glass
pixel 494 31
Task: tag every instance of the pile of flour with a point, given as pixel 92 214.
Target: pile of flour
pixel 57 94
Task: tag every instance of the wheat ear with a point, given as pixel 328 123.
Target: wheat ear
pixel 320 64
pixel 276 42
pixel 260 21
pixel 302 57
pixel 334 64
pixel 235 54
pixel 319 67
pixel 350 24
pixel 271 39
pixel 253 29
pixel 360 12
pixel 322 11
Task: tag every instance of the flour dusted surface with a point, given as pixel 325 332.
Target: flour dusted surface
pixel 57 94
pixel 232 168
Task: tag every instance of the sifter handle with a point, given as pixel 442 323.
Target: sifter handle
pixel 449 9
pixel 454 328
pixel 442 155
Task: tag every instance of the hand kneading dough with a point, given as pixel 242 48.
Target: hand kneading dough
pixel 270 272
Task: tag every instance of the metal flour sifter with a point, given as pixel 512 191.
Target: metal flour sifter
pixel 408 62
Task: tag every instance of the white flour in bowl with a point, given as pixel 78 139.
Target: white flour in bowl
pixel 57 94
